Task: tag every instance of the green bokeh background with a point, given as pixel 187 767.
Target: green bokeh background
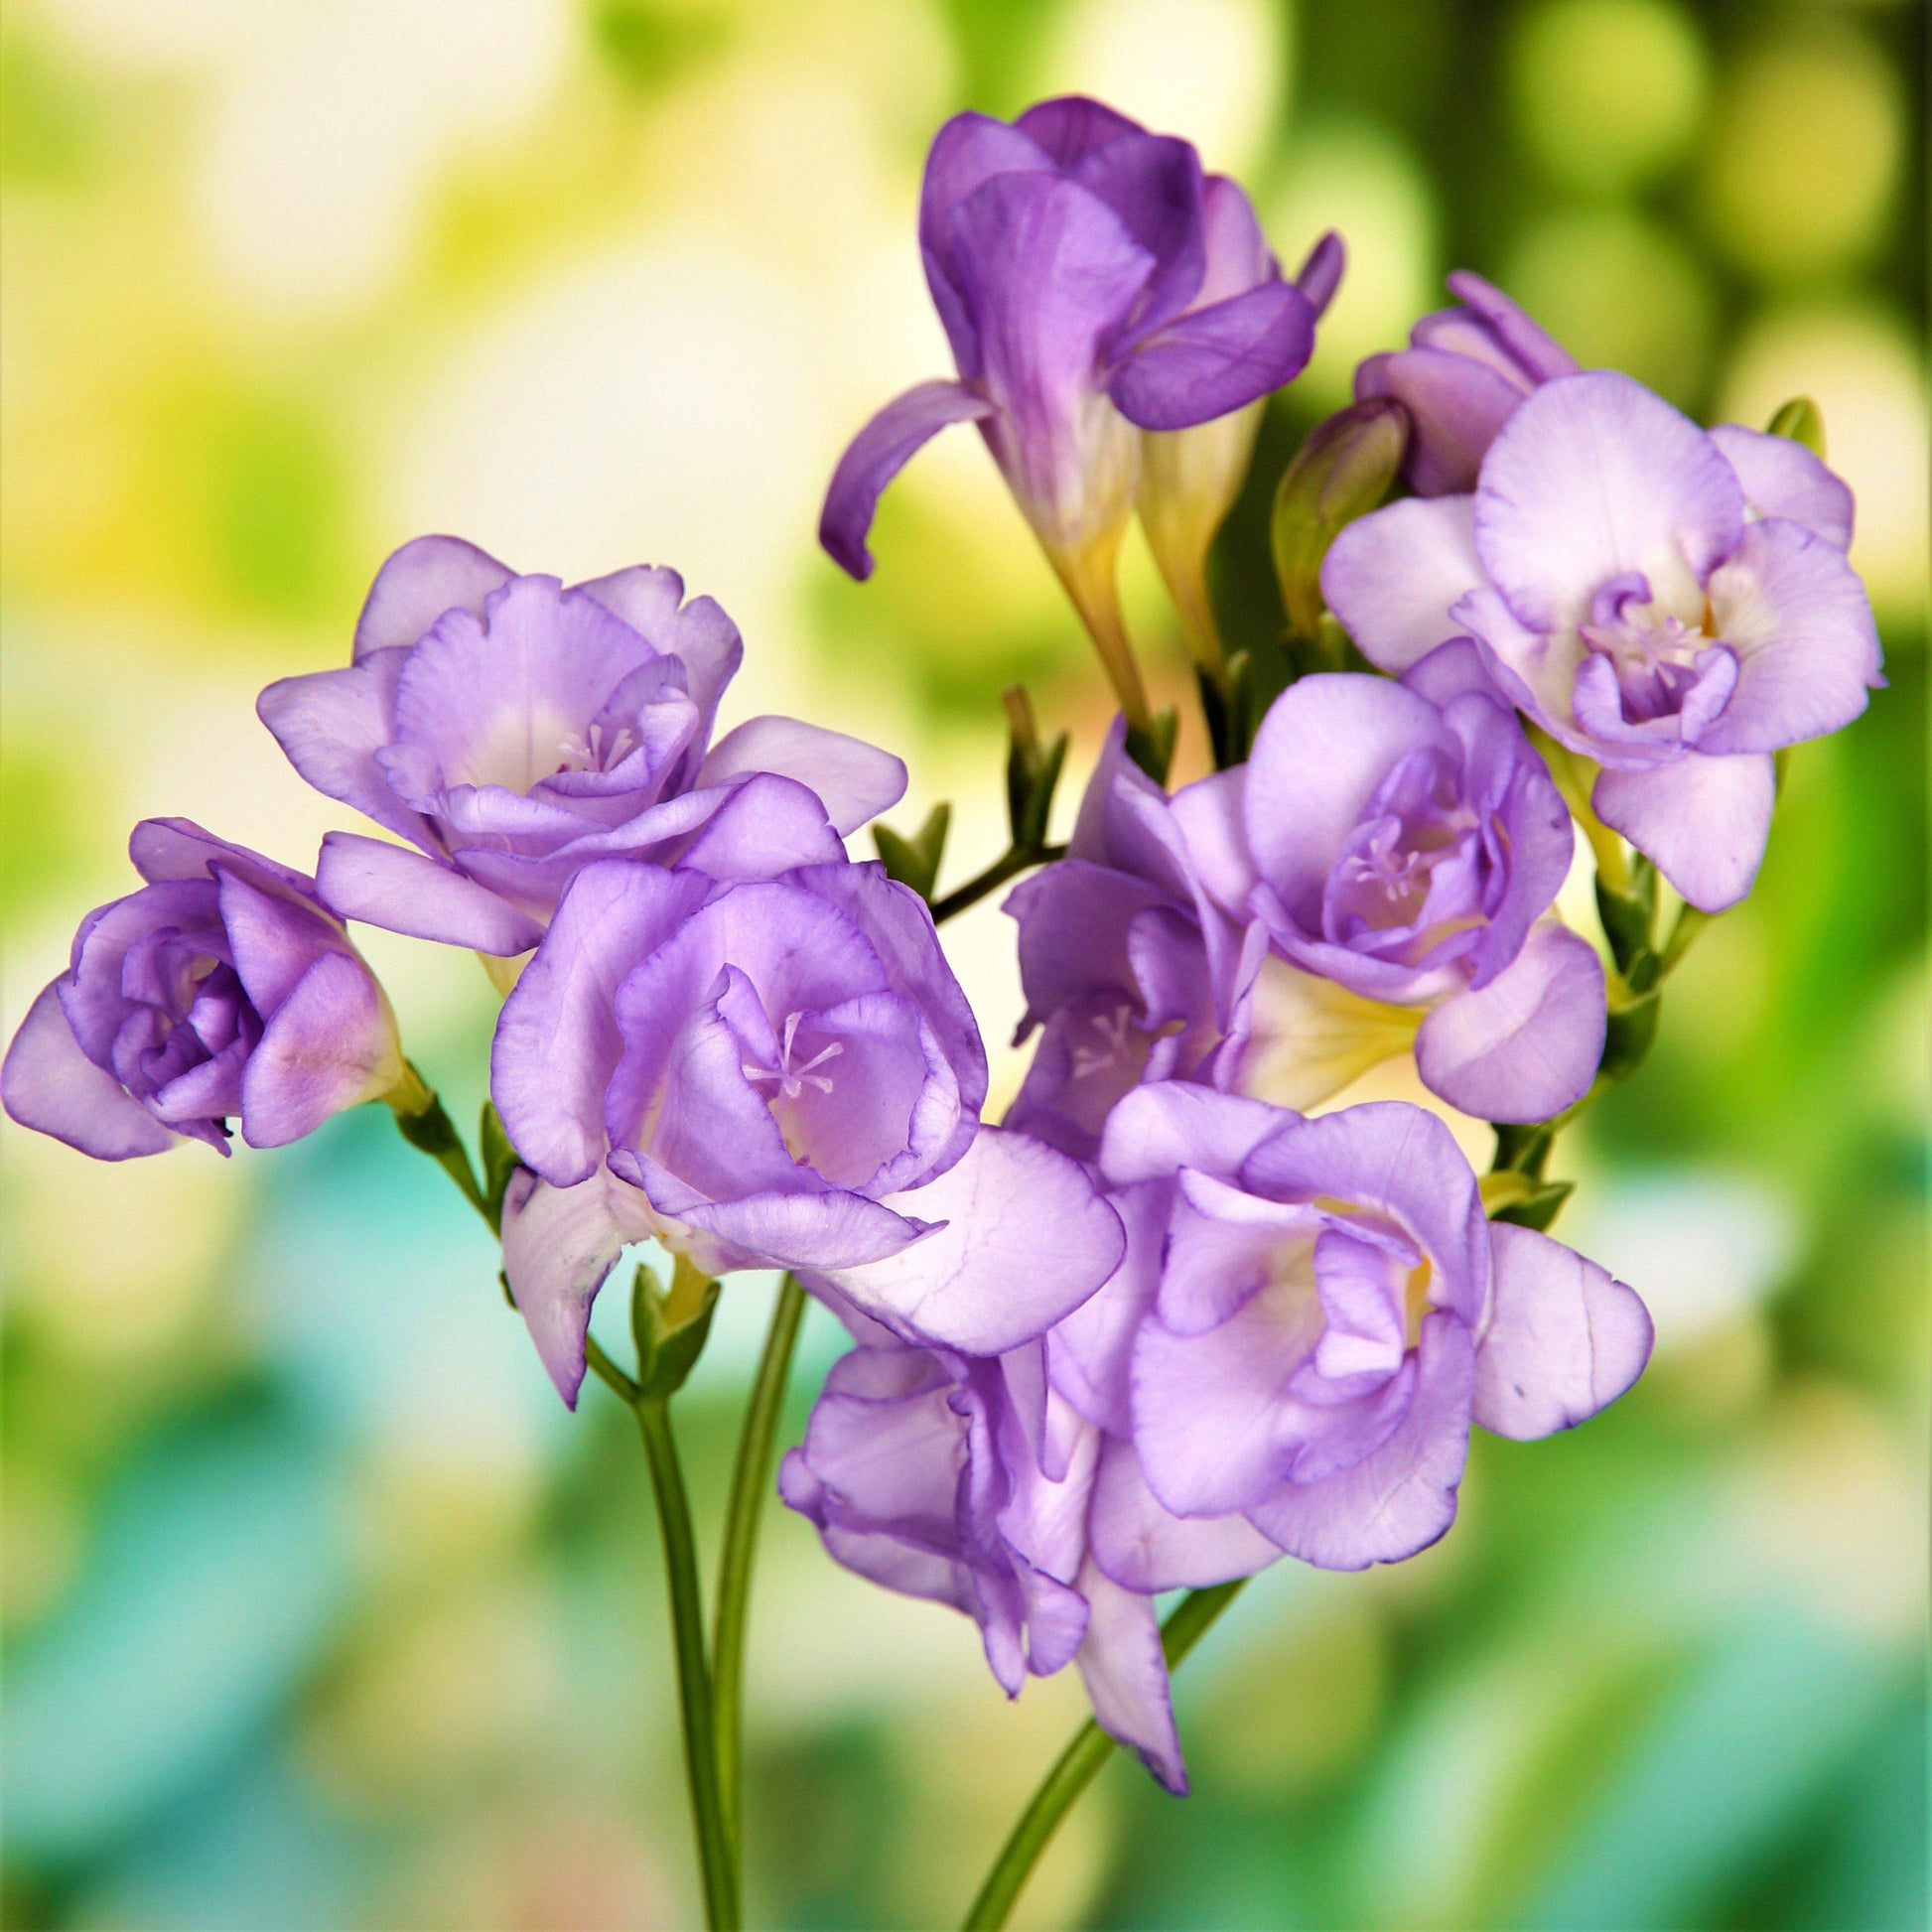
pixel 318 1611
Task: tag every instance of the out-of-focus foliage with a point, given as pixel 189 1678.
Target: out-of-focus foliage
pixel 319 1610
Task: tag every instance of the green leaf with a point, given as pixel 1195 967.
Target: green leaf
pixel 914 861
pixel 1802 421
pixel 670 1327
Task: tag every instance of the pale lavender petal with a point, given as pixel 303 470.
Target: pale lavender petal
pixel 1214 361
pixel 1781 478
pixel 985 1282
pixel 418 582
pixel 1209 815
pixel 766 826
pixel 1456 406
pixel 837 1234
pixel 331 725
pixel 557 1042
pixel 1702 820
pixel 1126 1675
pixel 331 1045
pixel 855 782
pixel 48 1085
pixel 274 938
pixel 175 848
pixel 1527 1044
pixel 1456 669
pixel 1402 1497
pixel 559 1247
pixel 1320 754
pixel 403 891
pixel 1144 1546
pixel 1594 477
pixel 1157 1130
pixel 877 455
pixel 1391 577
pixel 1797 616
pixel 1564 1337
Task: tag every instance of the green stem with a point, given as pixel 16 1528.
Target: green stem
pixel 1075 1770
pixel 693 1676
pixel 430 1128
pixel 750 1479
pixel 1014 862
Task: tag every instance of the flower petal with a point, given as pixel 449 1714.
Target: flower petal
pixel 1594 477
pixel 984 1280
pixel 559 1247
pixel 557 1041
pixel 1797 616
pixel 1702 820
pixel 403 891
pixel 418 582
pixel 768 825
pixel 1143 1546
pixel 877 455
pixel 332 1043
pixel 1781 478
pixel 1526 1045
pixel 1542 356
pixel 1216 360
pixel 48 1085
pixel 1458 408
pixel 854 781
pixel 331 725
pixel 1126 1675
pixel 1391 577
pixel 1563 1338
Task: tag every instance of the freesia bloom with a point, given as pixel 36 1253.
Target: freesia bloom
pixel 967 1480
pixel 1673 605
pixel 777 1072
pixel 1460 378
pixel 1310 1314
pixel 1130 968
pixel 1401 844
pixel 513 730
pixel 221 991
pixel 1092 283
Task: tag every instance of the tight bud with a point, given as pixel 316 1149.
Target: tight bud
pixel 1342 470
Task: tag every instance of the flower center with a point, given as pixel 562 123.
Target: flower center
pixel 792 1077
pixel 1653 653
pixel 1107 1042
pixel 592 749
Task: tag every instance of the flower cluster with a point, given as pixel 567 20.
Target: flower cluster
pixel 1163 1324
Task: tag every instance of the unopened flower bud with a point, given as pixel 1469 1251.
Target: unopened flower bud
pixel 1342 470
pixel 1803 422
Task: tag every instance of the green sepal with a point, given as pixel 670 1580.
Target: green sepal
pixel 499 1158
pixel 1630 917
pixel 670 1329
pixel 1538 1209
pixel 1627 1036
pixel 1522 1146
pixel 1151 746
pixel 914 861
pixel 432 1129
pixel 1033 772
pixel 1802 421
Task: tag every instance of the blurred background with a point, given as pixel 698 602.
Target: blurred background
pixel 319 1610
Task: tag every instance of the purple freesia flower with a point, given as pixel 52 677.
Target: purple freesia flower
pixel 776 1073
pixel 1310 1314
pixel 1130 968
pixel 1401 843
pixel 514 732
pixel 220 990
pixel 967 1480
pixel 1092 283
pixel 1460 378
pixel 1674 605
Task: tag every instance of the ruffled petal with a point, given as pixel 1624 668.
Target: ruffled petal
pixel 766 826
pixel 1526 1045
pixel 855 782
pixel 877 455
pixel 418 582
pixel 1702 820
pixel 403 891
pixel 331 723
pixel 1143 1546
pixel 1563 1338
pixel 1391 577
pixel 1798 620
pixel 1592 478
pixel 559 1247
pixel 1126 1675
pixel 984 1280
pixel 1781 478
pixel 48 1085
